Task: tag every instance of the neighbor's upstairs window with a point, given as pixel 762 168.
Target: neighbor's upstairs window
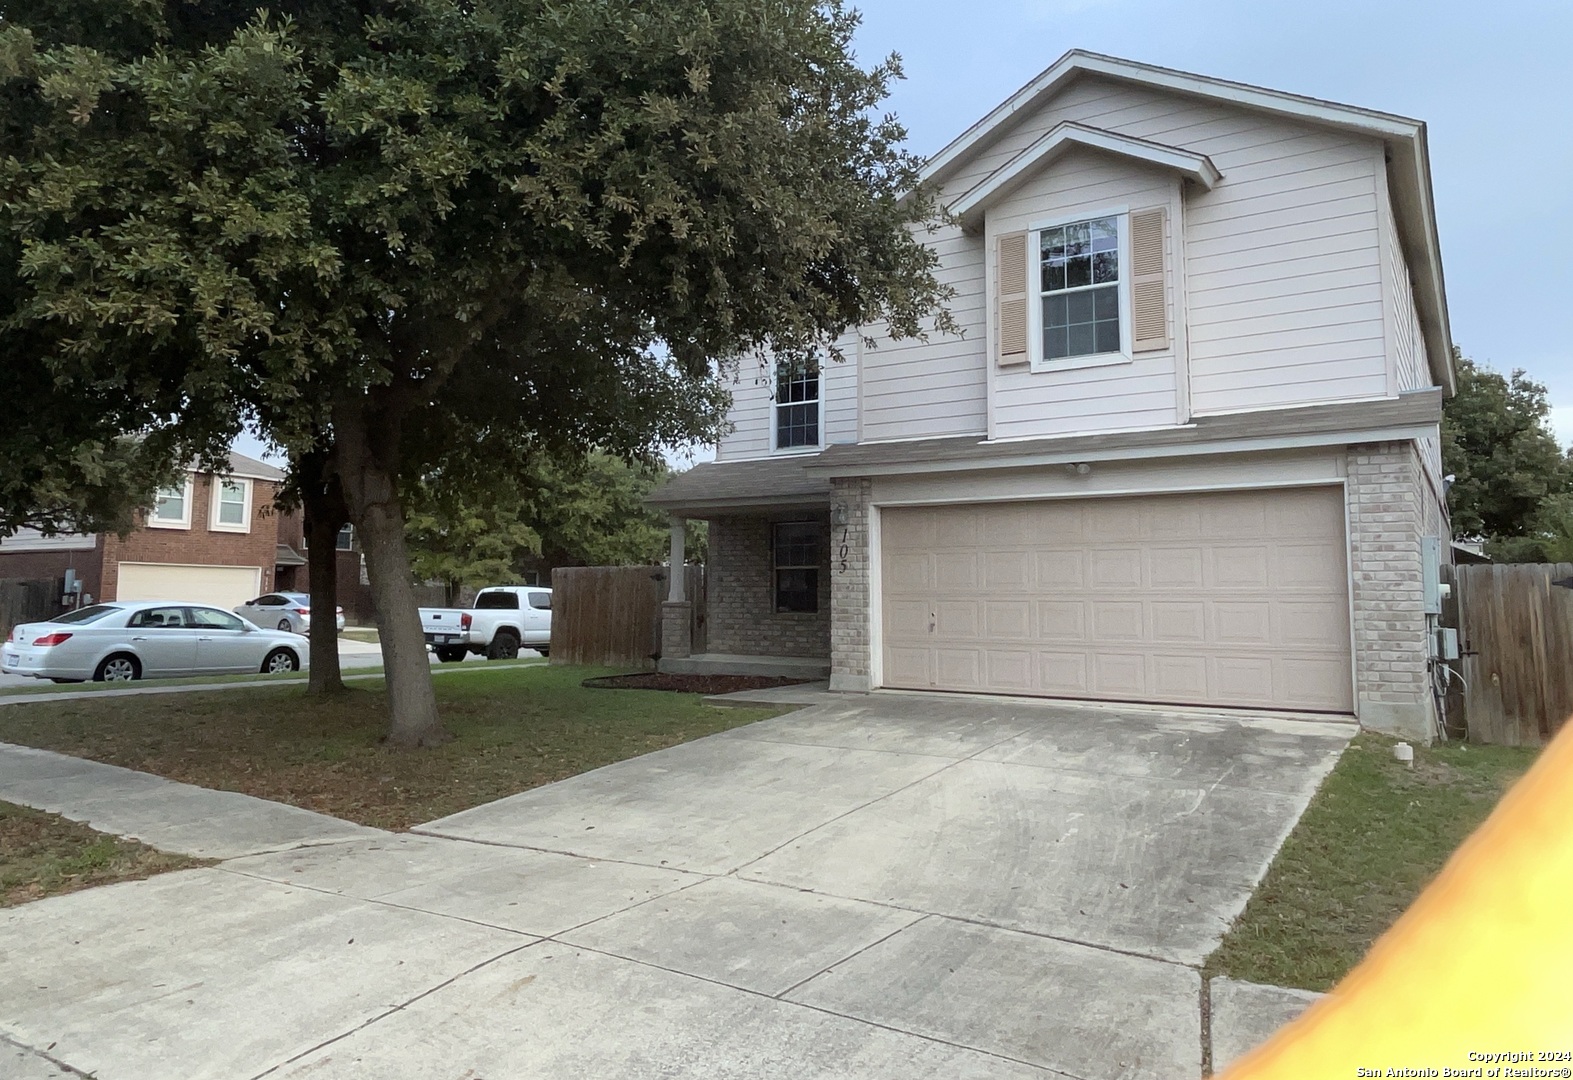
pixel 172 507
pixel 797 405
pixel 230 509
pixel 796 561
pixel 1080 288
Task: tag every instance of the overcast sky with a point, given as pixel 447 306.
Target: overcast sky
pixel 1493 82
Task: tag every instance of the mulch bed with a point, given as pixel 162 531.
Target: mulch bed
pixel 692 684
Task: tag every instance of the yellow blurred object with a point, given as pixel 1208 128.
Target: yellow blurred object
pixel 1476 978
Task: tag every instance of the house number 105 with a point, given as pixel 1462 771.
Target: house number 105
pixel 841 553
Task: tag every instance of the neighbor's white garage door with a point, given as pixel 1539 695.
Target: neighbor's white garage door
pixel 1230 598
pixel 221 586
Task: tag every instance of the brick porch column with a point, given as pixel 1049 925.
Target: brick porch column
pixel 850 634
pixel 677 626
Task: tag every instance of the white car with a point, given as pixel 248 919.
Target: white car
pixel 284 610
pixel 151 639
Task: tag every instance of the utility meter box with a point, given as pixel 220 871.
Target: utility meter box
pixel 1446 643
pixel 1431 572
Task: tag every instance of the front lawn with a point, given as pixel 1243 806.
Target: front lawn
pixel 1372 837
pixel 44 854
pixel 514 728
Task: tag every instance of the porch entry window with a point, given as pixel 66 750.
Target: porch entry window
pixel 796 560
pixel 797 405
pixel 1080 288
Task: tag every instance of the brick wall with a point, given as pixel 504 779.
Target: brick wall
pixel 850 635
pixel 740 590
pixel 1387 517
pixel 199 545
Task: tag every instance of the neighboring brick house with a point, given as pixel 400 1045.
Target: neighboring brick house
pixel 210 540
pixel 1186 451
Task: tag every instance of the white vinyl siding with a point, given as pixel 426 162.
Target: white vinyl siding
pixel 921 389
pixel 1405 338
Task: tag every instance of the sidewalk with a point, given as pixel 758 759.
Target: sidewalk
pixel 162 813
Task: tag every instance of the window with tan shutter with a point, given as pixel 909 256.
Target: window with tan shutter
pixel 1149 285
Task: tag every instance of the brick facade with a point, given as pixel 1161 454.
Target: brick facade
pixel 1387 518
pixel 740 593
pixel 199 545
pixel 851 637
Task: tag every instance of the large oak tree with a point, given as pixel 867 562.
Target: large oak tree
pixel 399 232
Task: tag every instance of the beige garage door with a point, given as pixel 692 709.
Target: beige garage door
pixel 221 586
pixel 1229 598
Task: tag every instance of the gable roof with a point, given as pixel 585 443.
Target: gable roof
pixel 248 467
pixel 1069 135
pixel 1409 164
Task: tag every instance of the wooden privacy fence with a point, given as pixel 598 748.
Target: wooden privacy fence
pixel 610 616
pixel 1515 628
pixel 28 600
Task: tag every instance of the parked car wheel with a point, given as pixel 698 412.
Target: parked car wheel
pixel 286 626
pixel 450 654
pixel 505 646
pixel 279 662
pixel 121 667
pixel 544 650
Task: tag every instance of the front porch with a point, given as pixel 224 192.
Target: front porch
pixel 768 572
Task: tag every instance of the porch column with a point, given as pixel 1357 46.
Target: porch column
pixel 677 614
pixel 679 539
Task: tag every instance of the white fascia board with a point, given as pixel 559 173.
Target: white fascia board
pixel 1067 135
pixel 1138 453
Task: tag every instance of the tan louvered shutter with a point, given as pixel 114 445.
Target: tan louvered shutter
pixel 1012 299
pixel 1149 284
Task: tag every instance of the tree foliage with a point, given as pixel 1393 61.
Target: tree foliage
pixel 415 234
pixel 1498 445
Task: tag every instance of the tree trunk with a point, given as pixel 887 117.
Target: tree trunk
pixel 366 459
pixel 322 567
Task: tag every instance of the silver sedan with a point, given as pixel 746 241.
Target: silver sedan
pixel 151 639
pixel 284 610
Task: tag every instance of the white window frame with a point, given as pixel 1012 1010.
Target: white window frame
pixel 1122 218
pixel 216 498
pixel 776 406
pixel 184 522
pixel 346 528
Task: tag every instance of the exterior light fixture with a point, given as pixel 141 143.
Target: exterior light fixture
pixel 838 514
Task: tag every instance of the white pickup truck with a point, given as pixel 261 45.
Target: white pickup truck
pixel 505 619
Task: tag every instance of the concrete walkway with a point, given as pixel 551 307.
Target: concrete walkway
pixel 882 888
pixel 171 816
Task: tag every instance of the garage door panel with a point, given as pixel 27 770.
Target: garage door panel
pixel 1115 569
pixel 1118 621
pixel 1063 674
pixel 907 572
pixel 1179 620
pixel 1176 568
pixel 1239 567
pixel 221 586
pixel 1061 569
pixel 1178 678
pixel 1062 620
pixel 1119 675
pixel 1229 598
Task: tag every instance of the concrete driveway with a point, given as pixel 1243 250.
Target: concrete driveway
pixel 899 886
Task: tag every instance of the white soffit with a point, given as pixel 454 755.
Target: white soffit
pixel 1066 136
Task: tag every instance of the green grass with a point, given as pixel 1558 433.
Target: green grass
pixel 1372 837
pixel 359 633
pixel 44 855
pixel 514 727
pixel 359 673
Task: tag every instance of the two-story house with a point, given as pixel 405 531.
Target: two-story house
pixel 208 538
pixel 1186 450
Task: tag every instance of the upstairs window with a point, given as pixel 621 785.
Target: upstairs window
pixel 345 541
pixel 231 506
pixel 797 406
pixel 172 507
pixel 796 562
pixel 1079 288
